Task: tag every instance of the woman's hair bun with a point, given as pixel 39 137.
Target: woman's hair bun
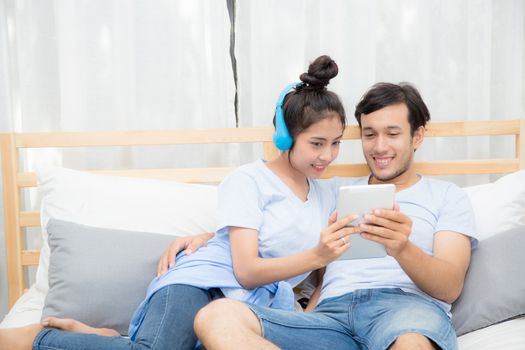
pixel 320 72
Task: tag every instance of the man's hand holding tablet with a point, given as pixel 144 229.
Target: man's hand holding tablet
pixel 361 200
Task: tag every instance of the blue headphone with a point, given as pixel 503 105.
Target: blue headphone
pixel 282 139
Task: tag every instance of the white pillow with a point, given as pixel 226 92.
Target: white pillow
pixel 27 310
pixel 499 206
pixel 134 204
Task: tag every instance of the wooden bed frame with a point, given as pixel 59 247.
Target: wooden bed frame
pixel 15 179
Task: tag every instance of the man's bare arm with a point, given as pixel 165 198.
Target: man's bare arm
pixel 441 275
pixel 188 243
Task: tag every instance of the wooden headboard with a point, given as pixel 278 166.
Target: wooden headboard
pixel 15 179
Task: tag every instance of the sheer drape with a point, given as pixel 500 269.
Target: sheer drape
pixel 115 65
pixel 104 65
pixel 466 57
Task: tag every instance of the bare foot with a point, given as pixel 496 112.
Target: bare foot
pixel 70 325
pixel 19 338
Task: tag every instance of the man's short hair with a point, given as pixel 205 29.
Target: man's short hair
pixel 382 95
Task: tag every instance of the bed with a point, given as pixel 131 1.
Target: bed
pixel 113 224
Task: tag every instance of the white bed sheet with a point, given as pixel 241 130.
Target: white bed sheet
pixel 508 335
pixel 27 309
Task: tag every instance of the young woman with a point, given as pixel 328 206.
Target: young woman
pixel 271 233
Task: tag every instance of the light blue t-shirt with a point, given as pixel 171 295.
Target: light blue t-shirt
pixel 252 197
pixel 433 205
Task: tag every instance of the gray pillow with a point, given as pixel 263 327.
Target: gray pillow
pixel 99 276
pixel 494 288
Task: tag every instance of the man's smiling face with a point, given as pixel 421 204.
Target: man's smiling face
pixel 388 144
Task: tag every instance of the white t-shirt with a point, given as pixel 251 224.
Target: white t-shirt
pixel 433 205
pixel 254 197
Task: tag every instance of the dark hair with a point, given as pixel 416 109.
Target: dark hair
pixel 382 95
pixel 310 101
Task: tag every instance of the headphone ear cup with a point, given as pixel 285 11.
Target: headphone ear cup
pixel 281 138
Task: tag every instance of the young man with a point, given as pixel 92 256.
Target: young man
pixel 401 301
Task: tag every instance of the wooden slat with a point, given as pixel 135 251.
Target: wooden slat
pixel 13 237
pixel 30 257
pixel 191 175
pixel 29 219
pixel 451 129
pixel 215 175
pixel 473 128
pixel 27 179
pixel 346 170
pixel 239 135
pixel 490 166
pixel 352 132
pixel 143 137
pixel 484 166
pixel 270 151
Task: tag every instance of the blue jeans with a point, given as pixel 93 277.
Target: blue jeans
pixel 364 319
pixel 168 324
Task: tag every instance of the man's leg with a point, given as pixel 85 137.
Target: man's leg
pixel 214 325
pixel 393 319
pixel 413 341
pixel 229 324
pixel 168 323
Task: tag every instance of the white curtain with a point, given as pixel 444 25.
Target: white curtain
pixel 467 58
pixel 115 65
pixel 104 65
pixel 139 64
pixel 118 65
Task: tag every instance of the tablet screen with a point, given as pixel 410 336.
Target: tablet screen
pixel 360 200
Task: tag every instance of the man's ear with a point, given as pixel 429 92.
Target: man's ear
pixel 418 137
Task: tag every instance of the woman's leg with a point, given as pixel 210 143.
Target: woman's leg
pixel 22 338
pixel 179 306
pixel 168 323
pixel 70 325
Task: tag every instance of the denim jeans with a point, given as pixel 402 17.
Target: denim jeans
pixel 364 319
pixel 168 324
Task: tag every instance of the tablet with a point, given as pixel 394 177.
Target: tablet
pixel 359 200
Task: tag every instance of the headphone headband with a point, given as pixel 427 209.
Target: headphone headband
pixel 282 138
